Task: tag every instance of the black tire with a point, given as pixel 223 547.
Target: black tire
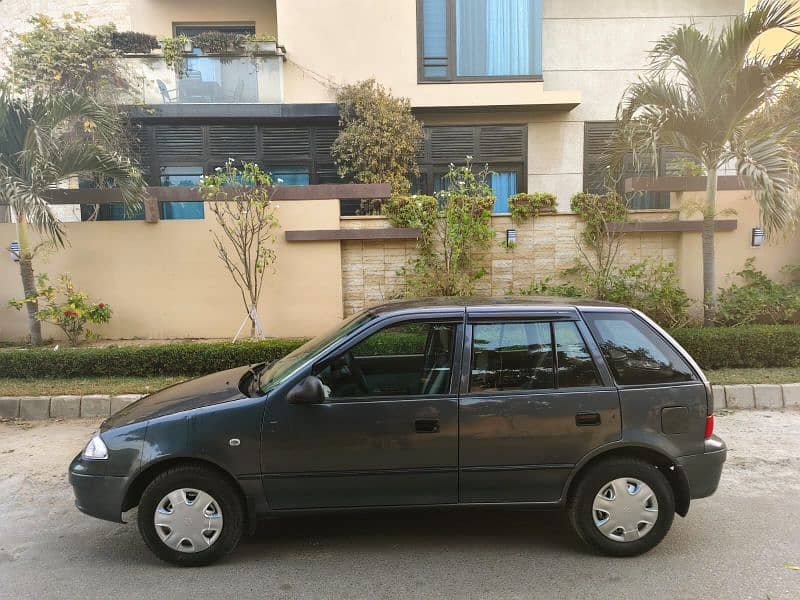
pixel 200 478
pixel 580 505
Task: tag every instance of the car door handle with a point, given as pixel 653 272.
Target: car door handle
pixel 426 426
pixel 584 419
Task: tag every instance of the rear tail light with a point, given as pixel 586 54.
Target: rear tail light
pixel 709 426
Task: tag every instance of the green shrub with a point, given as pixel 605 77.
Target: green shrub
pixel 141 361
pixel 758 299
pixel 527 206
pixel 753 346
pixel 653 288
pixel 133 42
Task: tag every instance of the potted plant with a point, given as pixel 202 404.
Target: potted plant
pixel 526 206
pixel 134 42
pixel 262 44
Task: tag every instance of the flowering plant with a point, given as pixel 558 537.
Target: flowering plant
pixel 66 307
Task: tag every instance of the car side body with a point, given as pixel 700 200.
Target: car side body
pixel 511 401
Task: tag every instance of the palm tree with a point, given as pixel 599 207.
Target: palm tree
pixel 45 141
pixel 709 96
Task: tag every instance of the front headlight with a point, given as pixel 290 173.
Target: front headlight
pixel 95 449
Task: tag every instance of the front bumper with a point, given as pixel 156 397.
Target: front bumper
pixel 97 495
pixel 703 471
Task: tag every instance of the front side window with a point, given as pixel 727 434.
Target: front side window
pixel 635 353
pixel 407 359
pixel 479 39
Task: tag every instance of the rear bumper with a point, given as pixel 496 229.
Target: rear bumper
pixel 703 471
pixel 97 495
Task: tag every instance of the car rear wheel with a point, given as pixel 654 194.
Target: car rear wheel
pixel 622 507
pixel 190 516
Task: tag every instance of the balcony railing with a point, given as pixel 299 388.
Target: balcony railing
pixel 205 79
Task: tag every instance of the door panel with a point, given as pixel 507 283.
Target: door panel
pixel 522 447
pixel 360 453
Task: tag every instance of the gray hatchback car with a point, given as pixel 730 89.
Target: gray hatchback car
pixel 536 402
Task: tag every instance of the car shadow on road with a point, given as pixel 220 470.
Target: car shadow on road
pixel 453 528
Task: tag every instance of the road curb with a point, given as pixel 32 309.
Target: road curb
pixel 767 396
pixel 37 408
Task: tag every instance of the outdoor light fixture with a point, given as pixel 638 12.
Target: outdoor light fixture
pixel 757 237
pixel 13 250
pixel 511 237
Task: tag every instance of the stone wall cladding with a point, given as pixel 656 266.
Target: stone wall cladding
pixel 545 246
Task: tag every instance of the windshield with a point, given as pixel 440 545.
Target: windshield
pixel 278 370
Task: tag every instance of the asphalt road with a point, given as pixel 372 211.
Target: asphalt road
pixel 741 543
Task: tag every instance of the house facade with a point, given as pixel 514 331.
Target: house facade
pixel 527 87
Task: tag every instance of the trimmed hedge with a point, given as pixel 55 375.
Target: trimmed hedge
pixel 755 346
pixel 747 346
pixel 140 361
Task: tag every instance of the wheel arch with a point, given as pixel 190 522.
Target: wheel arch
pixel 134 491
pixel 672 471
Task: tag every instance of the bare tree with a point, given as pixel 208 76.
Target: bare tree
pixel 240 198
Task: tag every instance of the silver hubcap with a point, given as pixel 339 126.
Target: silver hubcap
pixel 625 509
pixel 188 520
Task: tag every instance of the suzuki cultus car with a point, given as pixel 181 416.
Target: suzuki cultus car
pixel 526 402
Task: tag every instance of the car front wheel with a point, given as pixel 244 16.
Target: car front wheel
pixel 622 507
pixel 190 516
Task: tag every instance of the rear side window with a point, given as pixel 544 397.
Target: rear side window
pixel 575 365
pixel 511 356
pixel 635 353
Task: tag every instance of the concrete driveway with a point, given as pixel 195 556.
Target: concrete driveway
pixel 741 543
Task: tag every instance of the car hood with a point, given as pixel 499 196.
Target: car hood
pixel 195 393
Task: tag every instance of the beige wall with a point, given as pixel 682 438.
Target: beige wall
pixel 732 248
pixel 164 280
pixel 157 16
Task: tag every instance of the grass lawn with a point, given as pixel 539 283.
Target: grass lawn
pixel 775 375
pixel 143 385
pixel 81 386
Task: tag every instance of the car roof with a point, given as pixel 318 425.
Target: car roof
pixel 491 304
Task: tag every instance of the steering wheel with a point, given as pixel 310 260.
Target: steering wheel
pixel 356 372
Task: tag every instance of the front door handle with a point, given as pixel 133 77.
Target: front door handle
pixel 585 419
pixel 426 425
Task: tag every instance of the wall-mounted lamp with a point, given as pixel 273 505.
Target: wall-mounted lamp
pixel 13 250
pixel 757 237
pixel 511 237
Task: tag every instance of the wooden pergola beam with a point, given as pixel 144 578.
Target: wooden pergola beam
pixel 683 184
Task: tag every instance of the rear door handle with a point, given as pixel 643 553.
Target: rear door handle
pixel 585 419
pixel 426 426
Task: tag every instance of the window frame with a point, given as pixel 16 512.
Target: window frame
pixel 456 318
pixel 589 317
pixel 450 37
pixel 604 376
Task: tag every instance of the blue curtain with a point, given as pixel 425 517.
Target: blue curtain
pixel 495 37
pixel 504 184
pixel 434 37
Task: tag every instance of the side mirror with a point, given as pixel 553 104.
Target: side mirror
pixel 308 391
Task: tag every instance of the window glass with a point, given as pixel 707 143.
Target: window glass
pixel 575 365
pixel 434 38
pixel 406 359
pixel 181 177
pixel 511 356
pixel 635 353
pixel 504 184
pixel 283 175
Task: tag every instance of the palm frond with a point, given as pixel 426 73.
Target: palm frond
pixel 736 39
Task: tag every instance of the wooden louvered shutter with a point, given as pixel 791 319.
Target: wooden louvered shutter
pixel 596 135
pixel 281 143
pixel 501 144
pixel 451 144
pixel 236 141
pixel 179 141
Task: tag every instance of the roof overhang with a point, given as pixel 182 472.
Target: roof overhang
pixel 319 110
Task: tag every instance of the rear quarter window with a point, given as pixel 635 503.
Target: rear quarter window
pixel 635 352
